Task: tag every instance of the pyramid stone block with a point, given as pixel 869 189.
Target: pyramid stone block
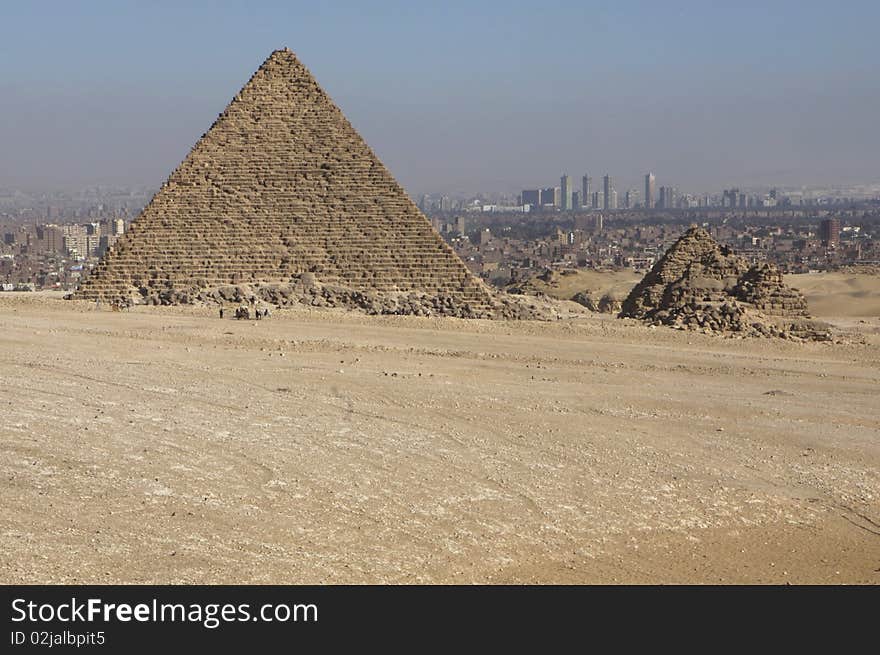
pixel 281 186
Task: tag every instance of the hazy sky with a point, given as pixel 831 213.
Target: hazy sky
pixel 458 96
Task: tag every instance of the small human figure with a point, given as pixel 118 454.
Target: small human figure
pixel 221 311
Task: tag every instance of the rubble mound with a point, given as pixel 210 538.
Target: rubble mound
pixel 608 303
pixel 307 290
pixel 701 285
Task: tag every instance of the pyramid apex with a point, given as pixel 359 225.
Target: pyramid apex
pixel 282 52
pixel 279 56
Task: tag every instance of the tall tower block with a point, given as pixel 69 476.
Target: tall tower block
pixel 650 182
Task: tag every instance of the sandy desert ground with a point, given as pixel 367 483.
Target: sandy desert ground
pixel 598 283
pixel 165 445
pixel 838 294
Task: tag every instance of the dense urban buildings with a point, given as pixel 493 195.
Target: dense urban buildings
pixel 50 255
pixel 504 248
pixel 51 240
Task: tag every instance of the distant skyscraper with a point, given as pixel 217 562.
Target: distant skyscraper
pixel 586 190
pixel 566 190
pixel 597 200
pixel 608 187
pixel 576 200
pixel 667 197
pixel 829 231
pixel 650 181
pixel 549 196
pixel 613 203
pixel 531 197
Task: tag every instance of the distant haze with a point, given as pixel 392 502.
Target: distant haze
pixel 458 98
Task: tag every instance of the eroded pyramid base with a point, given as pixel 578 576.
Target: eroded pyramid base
pixel 305 290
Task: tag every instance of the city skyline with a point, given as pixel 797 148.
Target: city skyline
pixel 674 89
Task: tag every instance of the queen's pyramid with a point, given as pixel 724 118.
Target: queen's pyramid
pixel 282 188
pixel 700 284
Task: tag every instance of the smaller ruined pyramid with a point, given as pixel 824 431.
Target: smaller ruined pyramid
pixel 283 192
pixel 699 283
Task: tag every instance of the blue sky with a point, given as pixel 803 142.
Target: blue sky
pixel 458 96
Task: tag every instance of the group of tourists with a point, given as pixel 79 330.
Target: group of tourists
pixel 244 312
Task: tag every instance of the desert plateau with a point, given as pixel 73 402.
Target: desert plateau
pixel 167 445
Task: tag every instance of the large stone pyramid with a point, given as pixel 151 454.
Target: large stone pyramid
pixel 282 190
pixel 700 284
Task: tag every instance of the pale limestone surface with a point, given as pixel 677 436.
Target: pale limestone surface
pixel 166 445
